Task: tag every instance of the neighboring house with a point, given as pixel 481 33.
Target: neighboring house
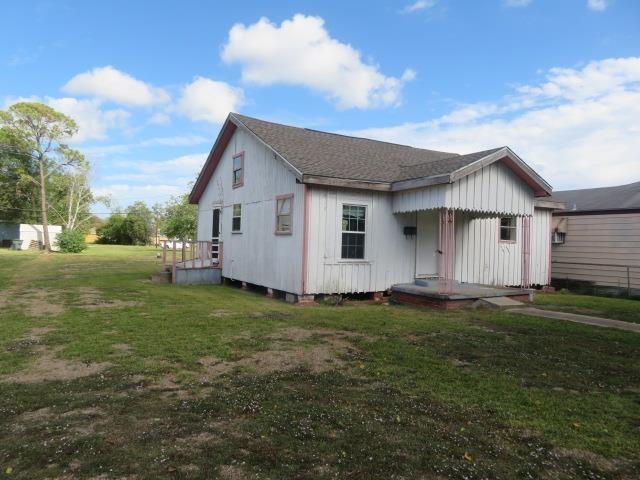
pixel 32 236
pixel 308 212
pixel 596 239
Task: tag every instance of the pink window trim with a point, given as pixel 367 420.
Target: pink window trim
pixel 282 197
pixel 241 182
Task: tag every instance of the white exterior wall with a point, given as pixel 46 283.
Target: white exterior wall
pixel 389 254
pixel 492 189
pixel 480 256
pixel 257 255
pixel 28 233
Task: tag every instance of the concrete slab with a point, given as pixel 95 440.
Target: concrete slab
pixel 498 303
pixel 585 319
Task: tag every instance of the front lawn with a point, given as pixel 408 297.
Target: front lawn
pixel 617 308
pixel 104 374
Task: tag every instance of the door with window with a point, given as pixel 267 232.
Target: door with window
pixel 215 234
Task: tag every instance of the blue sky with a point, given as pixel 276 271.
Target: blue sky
pixel 150 82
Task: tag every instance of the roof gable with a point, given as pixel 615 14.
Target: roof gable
pixel 341 160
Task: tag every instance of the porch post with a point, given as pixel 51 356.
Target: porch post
pixel 526 251
pixel 446 250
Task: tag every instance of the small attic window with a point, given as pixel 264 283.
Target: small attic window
pixel 238 170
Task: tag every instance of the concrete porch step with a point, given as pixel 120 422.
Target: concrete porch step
pixel 497 303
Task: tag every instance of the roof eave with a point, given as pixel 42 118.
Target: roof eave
pixel 327 181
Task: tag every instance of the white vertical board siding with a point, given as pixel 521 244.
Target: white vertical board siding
pixel 492 189
pixel 389 254
pixel 257 255
pixel 540 271
pixel 481 257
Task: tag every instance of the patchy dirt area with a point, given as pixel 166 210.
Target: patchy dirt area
pixel 46 366
pixel 92 299
pixel 317 349
pixel 35 303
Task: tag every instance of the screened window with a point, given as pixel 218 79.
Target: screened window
pixel 284 205
pixel 353 231
pixel 508 229
pixel 238 170
pixel 236 221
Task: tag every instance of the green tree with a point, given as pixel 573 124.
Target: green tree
pixel 180 219
pixel 40 131
pixel 133 227
pixel 70 196
pixel 18 192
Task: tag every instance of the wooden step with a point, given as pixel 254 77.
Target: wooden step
pixel 497 303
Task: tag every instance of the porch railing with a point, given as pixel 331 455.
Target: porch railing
pixel 194 254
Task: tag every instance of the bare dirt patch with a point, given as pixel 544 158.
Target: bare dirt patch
pixel 232 472
pixel 220 313
pixel 35 303
pixel 123 348
pixel 291 348
pixel 593 459
pixel 48 367
pixel 92 299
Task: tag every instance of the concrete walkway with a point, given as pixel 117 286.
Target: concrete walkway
pixel 573 317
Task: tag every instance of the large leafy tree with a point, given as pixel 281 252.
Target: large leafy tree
pixel 41 132
pixel 180 219
pixel 18 192
pixel 70 195
pixel 133 227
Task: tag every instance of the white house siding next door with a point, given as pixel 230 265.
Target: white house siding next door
pixel 427 247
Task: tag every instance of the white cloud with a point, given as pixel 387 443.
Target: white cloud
pixel 123 194
pixel 300 51
pixel 175 141
pixel 597 5
pixel 209 100
pixel 419 5
pixel 577 128
pixel 109 83
pixel 160 119
pixel 516 3
pixel 93 122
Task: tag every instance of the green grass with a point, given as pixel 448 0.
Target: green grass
pixel 357 391
pixel 608 307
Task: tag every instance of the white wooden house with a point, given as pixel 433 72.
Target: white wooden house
pixel 307 212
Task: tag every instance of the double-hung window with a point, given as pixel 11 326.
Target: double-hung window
pixel 284 217
pixel 508 229
pixel 238 170
pixel 353 231
pixel 236 220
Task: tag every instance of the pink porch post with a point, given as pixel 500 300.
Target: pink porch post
pixel 447 250
pixel 526 251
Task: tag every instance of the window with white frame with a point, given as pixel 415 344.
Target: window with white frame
pixel 238 170
pixel 508 229
pixel 284 208
pixel 236 220
pixel 353 231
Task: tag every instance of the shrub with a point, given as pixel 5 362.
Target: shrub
pixel 71 241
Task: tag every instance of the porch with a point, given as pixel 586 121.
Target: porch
pixel 192 263
pixel 431 294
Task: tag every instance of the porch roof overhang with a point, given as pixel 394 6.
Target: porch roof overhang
pixel 498 184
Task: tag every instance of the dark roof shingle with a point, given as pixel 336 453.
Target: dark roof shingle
pixel 313 152
pixel 621 197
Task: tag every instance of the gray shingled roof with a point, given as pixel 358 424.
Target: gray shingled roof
pixel 604 198
pixel 340 156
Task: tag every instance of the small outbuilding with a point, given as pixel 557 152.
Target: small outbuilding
pixel 596 240
pixel 30 235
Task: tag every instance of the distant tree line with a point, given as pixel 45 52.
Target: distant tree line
pixel 139 224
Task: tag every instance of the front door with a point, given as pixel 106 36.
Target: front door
pixel 427 244
pixel 215 234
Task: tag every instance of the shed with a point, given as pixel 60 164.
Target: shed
pixel 32 235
